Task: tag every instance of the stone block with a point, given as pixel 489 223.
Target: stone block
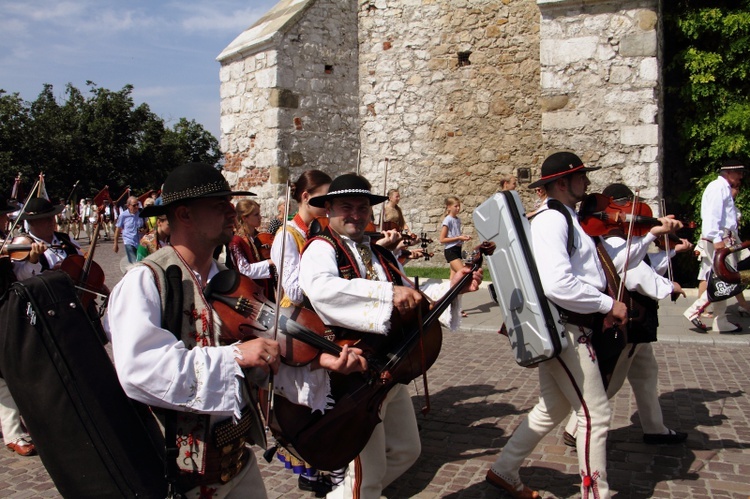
pixel 648 113
pixel 647 20
pixel 553 102
pixel 649 69
pixel 564 120
pixel 282 97
pixel 639 45
pixel 639 135
pixel 266 78
pixel 565 51
pixel 296 159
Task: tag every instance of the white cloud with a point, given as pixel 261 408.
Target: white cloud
pixel 221 17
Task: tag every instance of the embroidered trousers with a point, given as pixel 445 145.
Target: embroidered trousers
pixel 393 447
pixel 570 381
pixel 10 419
pixel 248 484
pixel 641 371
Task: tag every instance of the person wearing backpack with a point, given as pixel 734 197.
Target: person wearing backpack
pixel 576 282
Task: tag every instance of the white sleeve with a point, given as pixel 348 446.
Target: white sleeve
pixel 616 247
pixel 290 279
pixel 358 304
pixel 258 270
pixel 645 281
pixel 549 232
pixel 712 211
pixel 157 369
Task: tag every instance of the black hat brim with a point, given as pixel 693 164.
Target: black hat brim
pixel 545 181
pixel 58 208
pixel 320 201
pixel 161 209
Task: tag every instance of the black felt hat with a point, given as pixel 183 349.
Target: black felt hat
pixel 618 191
pixel 347 186
pixel 40 208
pixel 558 165
pixel 732 165
pixel 191 181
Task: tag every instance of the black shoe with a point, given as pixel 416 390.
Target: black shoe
pixel 673 437
pixel 569 439
pixel 319 484
pixel 699 324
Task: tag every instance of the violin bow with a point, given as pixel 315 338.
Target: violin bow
pixel 385 186
pixel 279 291
pixel 18 218
pixel 621 288
pixel 670 275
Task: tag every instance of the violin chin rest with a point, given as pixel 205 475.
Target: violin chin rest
pixel 223 283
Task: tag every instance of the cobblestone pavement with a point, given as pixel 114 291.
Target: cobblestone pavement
pixel 478 395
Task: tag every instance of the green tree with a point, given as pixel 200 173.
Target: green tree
pixel 707 60
pixel 98 139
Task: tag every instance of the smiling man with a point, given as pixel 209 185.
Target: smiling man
pixel 357 285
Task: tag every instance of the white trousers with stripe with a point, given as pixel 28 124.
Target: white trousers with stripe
pixel 570 381
pixel 638 365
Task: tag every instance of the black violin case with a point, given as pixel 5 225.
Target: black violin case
pixel 94 441
pixel 531 321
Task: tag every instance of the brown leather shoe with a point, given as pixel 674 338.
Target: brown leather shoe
pixel 519 491
pixel 22 448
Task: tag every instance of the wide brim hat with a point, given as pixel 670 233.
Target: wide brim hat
pixel 191 181
pixel 7 206
pixel 347 186
pixel 559 165
pixel 40 208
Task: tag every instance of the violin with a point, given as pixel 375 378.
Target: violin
pixel 599 214
pixel 19 248
pixel 247 314
pixel 331 440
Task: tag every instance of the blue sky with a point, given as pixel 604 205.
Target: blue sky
pixel 166 49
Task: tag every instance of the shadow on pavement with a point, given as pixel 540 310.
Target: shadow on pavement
pixel 463 424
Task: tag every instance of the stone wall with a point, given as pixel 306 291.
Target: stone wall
pixel 292 105
pixel 449 94
pixel 447 128
pixel 600 83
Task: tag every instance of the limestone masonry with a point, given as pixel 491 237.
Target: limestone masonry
pixel 442 97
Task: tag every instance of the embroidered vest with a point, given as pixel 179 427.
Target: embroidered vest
pixel 347 263
pixel 299 240
pixel 205 455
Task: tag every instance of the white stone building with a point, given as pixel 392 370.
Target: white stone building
pixel 449 94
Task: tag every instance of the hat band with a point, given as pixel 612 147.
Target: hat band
pixel 733 167
pixel 195 192
pixel 364 192
pixel 560 174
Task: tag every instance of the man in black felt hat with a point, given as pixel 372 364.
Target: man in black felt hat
pixel 576 283
pixel 195 375
pixel 49 247
pixel 719 224
pixel 352 284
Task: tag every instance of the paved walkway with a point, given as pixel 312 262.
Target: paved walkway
pixel 479 394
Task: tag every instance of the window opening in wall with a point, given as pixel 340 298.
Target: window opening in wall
pixel 524 175
pixel 463 58
pixel 329 69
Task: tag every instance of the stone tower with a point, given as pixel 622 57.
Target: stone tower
pixel 441 97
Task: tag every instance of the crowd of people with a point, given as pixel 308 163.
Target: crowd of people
pixel 327 259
